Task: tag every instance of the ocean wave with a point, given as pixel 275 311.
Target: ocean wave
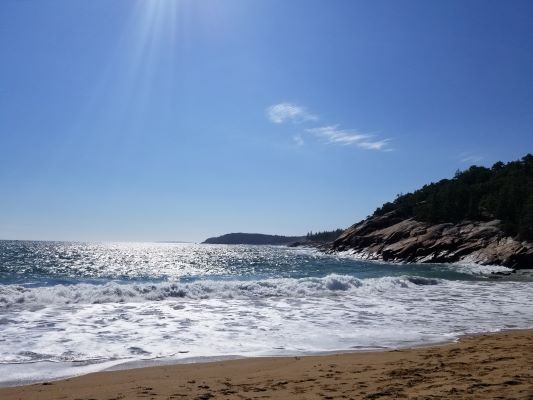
pixel 472 268
pixel 113 292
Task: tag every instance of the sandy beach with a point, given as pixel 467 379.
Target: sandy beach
pixel 488 366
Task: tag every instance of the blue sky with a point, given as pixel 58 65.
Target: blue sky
pixel 179 120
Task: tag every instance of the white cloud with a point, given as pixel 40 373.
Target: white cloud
pixel 376 145
pixel 283 112
pixel 298 140
pixel 471 158
pixel 335 135
pixel 349 137
pixel 289 112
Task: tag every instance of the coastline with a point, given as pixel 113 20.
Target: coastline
pixel 476 366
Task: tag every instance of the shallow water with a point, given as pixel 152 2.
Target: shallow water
pixel 72 308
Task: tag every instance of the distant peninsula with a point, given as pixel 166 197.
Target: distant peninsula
pixel 481 215
pixel 311 239
pixel 253 238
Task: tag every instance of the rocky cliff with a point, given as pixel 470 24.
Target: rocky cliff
pixel 390 237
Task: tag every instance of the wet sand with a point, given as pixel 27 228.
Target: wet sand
pixel 491 366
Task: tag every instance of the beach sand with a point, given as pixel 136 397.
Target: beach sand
pixel 491 366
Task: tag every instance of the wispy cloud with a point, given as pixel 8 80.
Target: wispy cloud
pixel 289 112
pixel 284 112
pixel 470 158
pixel 333 134
pixel 382 145
pixel 298 140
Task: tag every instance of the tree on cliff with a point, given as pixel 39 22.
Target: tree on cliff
pixel 504 192
pixel 324 236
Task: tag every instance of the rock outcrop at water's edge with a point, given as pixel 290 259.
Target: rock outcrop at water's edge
pixel 390 237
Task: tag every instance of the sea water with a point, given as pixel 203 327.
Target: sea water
pixel 72 308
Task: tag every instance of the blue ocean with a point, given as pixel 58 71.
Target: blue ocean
pixel 71 308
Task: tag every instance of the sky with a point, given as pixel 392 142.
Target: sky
pixel 148 120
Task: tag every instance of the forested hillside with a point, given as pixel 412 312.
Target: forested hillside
pixel 252 238
pixel 323 236
pixel 504 192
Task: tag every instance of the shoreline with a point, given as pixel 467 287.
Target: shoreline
pixel 487 365
pixel 125 365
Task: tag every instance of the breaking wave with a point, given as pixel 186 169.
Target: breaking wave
pixel 114 292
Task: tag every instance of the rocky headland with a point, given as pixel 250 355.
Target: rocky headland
pixel 482 215
pixel 390 237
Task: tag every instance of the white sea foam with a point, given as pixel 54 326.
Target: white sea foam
pixel 97 324
pixel 22 297
pixel 477 269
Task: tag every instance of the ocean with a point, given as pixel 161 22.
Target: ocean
pixel 71 308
